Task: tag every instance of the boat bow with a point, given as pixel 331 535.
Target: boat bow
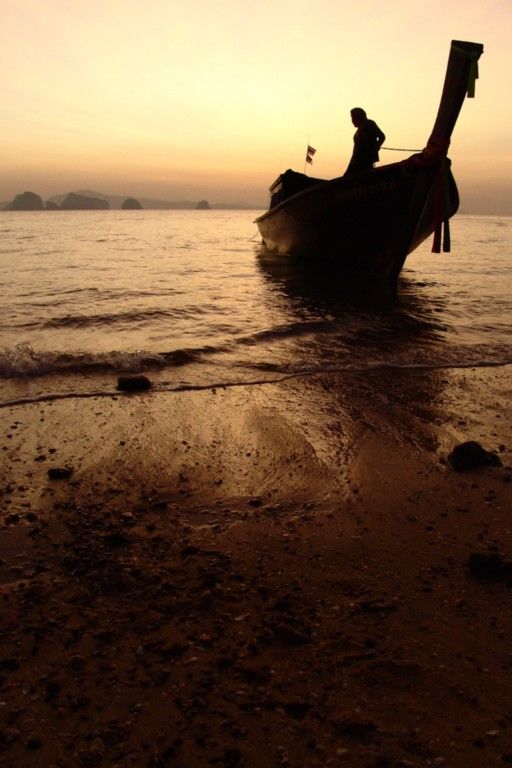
pixel 367 224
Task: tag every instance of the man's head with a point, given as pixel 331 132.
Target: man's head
pixel 358 116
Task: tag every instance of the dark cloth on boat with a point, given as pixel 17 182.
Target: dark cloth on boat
pixel 368 139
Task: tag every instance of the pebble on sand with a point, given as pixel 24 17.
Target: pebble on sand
pixel 490 567
pixel 470 455
pixel 60 473
pixel 133 383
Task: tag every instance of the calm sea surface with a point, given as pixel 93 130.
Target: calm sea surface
pixel 193 299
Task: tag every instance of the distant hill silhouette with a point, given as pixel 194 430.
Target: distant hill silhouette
pixel 26 201
pixel 116 202
pixel 76 202
pixel 131 204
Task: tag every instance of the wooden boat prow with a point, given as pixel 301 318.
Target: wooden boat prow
pixel 367 224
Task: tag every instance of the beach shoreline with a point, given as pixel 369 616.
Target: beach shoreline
pixel 258 575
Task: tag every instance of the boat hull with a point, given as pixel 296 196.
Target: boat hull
pixel 364 225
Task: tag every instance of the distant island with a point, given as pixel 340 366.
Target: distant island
pixel 131 204
pixel 74 202
pixel 86 199
pixel 26 201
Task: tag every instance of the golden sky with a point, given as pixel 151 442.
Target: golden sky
pixel 190 99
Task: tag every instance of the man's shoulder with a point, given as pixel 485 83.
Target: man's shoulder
pixel 373 128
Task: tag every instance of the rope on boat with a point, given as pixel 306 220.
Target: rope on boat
pixel 396 149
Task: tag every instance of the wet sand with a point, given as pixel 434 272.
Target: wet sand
pixel 272 575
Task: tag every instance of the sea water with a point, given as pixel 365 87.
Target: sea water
pixel 192 299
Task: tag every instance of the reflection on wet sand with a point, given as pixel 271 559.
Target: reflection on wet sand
pixel 402 312
pixel 384 344
pixel 321 288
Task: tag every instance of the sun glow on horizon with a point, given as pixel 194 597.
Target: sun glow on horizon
pixel 224 97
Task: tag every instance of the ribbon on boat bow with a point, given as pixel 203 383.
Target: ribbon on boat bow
pixel 473 69
pixel 442 209
pixel 472 75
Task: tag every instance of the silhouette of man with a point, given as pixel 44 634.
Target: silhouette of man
pixel 368 139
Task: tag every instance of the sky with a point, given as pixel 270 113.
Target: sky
pixel 192 99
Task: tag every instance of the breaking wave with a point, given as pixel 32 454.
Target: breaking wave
pixel 24 361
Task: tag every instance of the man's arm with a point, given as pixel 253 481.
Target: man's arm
pixel 379 136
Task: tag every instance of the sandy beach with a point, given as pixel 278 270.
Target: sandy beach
pixel 270 575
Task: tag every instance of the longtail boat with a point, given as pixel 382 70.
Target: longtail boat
pixel 367 224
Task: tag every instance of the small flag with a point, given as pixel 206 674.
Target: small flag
pixel 309 154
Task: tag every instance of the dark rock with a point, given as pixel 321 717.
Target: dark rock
pixel 133 383
pixel 470 455
pixel 203 205
pixel 170 651
pixel 490 567
pixel 33 743
pixel 51 206
pixel 27 201
pixel 232 757
pixel 76 662
pixel 189 550
pixel 282 604
pixel 115 539
pixel 131 204
pixel 9 665
pixel 355 727
pixel 297 709
pixel 159 761
pixel 60 473
pixel 74 202
pixel 53 690
pixel 256 675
